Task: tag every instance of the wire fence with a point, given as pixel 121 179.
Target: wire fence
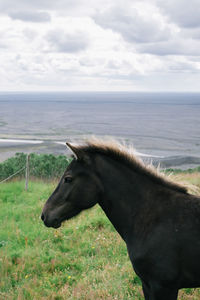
pixel 11 176
pixel 40 166
pixel 19 171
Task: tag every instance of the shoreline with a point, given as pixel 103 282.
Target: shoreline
pixel 9 147
pixel 20 141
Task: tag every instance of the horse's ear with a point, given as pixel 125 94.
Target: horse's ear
pixel 75 150
pixel 79 153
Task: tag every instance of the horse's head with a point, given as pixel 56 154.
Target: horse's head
pixel 78 189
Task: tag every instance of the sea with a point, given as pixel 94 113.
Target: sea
pixel 164 128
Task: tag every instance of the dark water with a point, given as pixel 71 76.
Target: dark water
pixel 158 124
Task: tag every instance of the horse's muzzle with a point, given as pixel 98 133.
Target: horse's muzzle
pixel 55 223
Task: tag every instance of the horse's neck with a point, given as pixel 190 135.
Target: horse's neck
pixel 125 193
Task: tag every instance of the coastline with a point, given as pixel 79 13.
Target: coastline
pixel 164 128
pixel 9 147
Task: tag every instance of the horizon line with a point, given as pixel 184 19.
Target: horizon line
pixel 97 91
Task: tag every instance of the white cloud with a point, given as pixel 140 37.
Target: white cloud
pixel 101 45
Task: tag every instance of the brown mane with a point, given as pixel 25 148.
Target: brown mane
pixel 126 155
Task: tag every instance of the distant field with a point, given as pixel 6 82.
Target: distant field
pixel 85 259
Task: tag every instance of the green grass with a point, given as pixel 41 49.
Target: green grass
pixel 84 259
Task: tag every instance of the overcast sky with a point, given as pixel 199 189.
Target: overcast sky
pixel 100 45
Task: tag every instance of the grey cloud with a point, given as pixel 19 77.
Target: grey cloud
pixel 188 33
pixel 3 45
pixel 87 62
pixel 8 6
pixel 173 47
pixel 30 33
pixel 113 65
pixel 133 26
pixel 183 12
pixel 31 16
pixel 60 41
pixel 186 67
pixel 195 58
pixel 118 64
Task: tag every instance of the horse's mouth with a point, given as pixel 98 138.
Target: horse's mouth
pixel 56 225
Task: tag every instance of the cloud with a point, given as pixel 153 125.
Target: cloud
pixel 3 43
pixel 30 33
pixel 187 47
pixel 62 7
pixel 182 12
pixel 102 45
pixel 134 24
pixel 155 29
pixel 8 6
pixel 30 16
pixel 190 33
pixel 185 67
pixel 60 41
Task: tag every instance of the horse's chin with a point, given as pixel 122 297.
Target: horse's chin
pixel 57 225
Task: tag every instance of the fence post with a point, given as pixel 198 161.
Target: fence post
pixel 27 172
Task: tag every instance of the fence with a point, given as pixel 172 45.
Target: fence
pixel 11 176
pixel 44 166
pixel 24 168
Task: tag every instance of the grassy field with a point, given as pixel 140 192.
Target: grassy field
pixel 84 259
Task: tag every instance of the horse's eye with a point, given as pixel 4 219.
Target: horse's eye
pixel 68 179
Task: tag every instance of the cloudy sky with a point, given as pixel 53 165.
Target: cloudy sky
pixel 100 45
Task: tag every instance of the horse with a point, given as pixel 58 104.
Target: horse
pixel 158 219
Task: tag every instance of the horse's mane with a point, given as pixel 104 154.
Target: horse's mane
pixel 126 155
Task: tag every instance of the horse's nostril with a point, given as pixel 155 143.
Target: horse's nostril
pixel 42 217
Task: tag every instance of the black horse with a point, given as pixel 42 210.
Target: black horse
pixel 158 220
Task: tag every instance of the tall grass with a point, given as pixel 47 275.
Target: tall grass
pixel 84 259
